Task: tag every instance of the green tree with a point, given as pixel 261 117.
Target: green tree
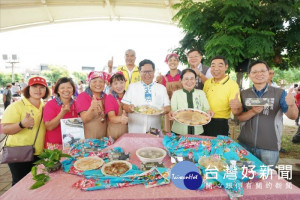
pixel 55 72
pixel 80 76
pixel 6 78
pixel 242 29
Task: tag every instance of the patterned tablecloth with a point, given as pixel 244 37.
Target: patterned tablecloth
pixel 60 184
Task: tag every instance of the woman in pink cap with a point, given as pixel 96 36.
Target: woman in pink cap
pixel 90 106
pixel 61 107
pixel 171 81
pixel 117 124
pixel 22 123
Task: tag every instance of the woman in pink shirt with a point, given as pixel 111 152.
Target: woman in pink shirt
pixel 117 124
pixel 90 106
pixel 171 81
pixel 61 107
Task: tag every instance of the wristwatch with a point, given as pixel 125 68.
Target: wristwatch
pixel 21 125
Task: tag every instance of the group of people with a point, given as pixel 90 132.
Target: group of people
pixel 12 90
pixel 106 106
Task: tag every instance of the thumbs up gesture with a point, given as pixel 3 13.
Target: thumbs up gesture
pixel 290 99
pixel 159 78
pixel 65 109
pixel 28 121
pixel 95 105
pixel 110 64
pixel 235 103
pixel 124 118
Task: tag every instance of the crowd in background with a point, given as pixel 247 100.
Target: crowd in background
pixel 106 105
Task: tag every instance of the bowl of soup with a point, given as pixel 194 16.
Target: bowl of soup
pixel 151 154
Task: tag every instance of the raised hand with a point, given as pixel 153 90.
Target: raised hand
pixel 124 118
pixel 110 62
pixel 159 78
pixel 290 99
pixel 65 109
pixel 235 103
pixel 197 71
pixel 28 121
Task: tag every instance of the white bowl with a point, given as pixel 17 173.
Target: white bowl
pixel 151 154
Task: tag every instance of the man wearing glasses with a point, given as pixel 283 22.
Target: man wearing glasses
pixel 261 126
pixel 203 72
pixel 145 92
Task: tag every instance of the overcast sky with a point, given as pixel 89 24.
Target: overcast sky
pixel 90 43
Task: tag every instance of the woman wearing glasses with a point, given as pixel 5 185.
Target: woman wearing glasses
pixel 188 97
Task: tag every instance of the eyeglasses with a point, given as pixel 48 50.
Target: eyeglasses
pixel 147 72
pixel 191 57
pixel 188 79
pixel 258 72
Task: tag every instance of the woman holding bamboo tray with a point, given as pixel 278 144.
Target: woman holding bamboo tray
pixel 188 97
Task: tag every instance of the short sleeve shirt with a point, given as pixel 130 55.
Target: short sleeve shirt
pixel 15 113
pixel 51 110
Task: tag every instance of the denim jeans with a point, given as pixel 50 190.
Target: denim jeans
pixel 268 157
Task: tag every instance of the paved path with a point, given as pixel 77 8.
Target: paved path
pixel 5 176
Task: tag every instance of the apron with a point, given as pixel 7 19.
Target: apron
pixel 117 130
pixel 171 87
pixel 96 128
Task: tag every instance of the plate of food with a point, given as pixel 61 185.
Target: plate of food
pixel 148 110
pixel 88 163
pixel 116 168
pixel 192 117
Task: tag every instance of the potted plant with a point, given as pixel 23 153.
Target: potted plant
pixel 51 161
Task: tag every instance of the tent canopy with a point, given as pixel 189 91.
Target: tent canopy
pixel 23 13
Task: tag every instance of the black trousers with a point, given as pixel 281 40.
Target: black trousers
pixel 6 104
pixel 19 170
pixel 216 127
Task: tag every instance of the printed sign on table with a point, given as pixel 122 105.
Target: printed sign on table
pixel 72 131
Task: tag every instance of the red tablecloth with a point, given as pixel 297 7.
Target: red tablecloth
pixel 59 186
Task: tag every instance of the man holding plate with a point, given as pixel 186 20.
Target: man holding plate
pixel 145 92
pixel 261 126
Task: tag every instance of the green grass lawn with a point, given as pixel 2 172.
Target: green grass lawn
pixel 292 149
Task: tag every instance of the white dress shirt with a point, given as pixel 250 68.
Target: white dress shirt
pixel 140 94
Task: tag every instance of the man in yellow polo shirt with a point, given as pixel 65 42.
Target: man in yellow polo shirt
pixel 223 97
pixel 130 70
